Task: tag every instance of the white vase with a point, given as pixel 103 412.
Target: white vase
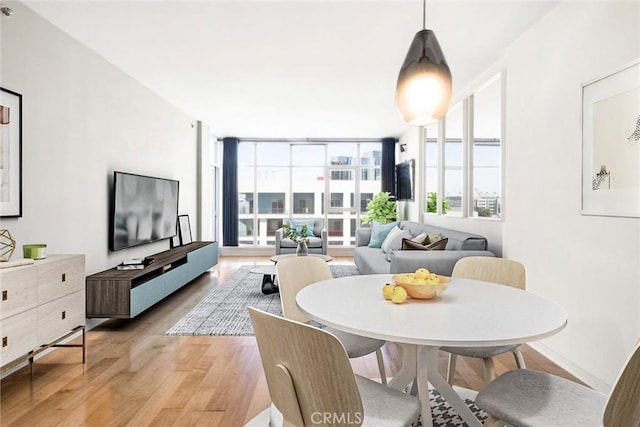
pixel 302 249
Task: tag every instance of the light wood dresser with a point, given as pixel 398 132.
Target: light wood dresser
pixel 41 305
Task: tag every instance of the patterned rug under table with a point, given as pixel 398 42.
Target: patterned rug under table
pixel 224 310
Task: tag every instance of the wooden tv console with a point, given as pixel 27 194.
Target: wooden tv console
pixel 126 293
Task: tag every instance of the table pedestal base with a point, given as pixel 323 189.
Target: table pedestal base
pixel 420 363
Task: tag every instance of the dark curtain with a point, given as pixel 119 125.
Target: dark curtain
pixel 388 167
pixel 230 192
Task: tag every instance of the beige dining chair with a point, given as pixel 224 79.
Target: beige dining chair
pixel 311 381
pixel 496 270
pixel 523 397
pixel 297 272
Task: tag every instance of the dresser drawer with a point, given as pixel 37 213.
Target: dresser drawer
pixel 59 276
pixel 17 336
pixel 59 316
pixel 18 290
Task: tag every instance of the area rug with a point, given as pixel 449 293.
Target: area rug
pixel 444 415
pixel 224 310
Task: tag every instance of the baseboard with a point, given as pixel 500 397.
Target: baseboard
pixel 268 251
pixel 584 376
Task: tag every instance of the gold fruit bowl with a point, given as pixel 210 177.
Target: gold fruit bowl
pixel 419 290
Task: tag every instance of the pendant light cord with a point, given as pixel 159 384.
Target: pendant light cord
pixel 424 14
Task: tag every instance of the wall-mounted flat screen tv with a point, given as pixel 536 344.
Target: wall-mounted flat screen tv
pixel 144 209
pixel 405 180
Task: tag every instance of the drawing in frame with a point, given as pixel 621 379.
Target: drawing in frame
pixel 10 153
pixel 611 143
pixel 175 240
pixel 185 229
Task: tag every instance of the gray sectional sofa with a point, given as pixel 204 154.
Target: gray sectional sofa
pixel 459 245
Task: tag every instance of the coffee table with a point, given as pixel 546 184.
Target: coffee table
pixel 277 258
pixel 268 272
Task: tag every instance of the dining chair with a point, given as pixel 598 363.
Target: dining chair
pixel 529 398
pixel 496 270
pixel 311 381
pixel 297 272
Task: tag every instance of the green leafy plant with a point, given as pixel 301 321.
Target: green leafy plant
pixel 382 208
pixel 291 233
pixel 432 203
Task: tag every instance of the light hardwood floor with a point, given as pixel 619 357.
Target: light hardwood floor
pixel 135 375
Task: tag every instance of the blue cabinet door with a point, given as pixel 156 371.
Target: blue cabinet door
pixel 145 295
pixel 202 259
pixel 176 278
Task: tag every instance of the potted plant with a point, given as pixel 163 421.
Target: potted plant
pixel 382 208
pixel 432 203
pixel 301 239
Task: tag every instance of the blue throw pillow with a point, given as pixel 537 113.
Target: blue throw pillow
pixel 297 224
pixel 379 232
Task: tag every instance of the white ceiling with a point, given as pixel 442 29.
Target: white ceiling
pixel 288 69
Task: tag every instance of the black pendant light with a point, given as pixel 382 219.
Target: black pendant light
pixel 423 91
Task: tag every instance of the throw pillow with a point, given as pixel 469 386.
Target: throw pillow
pixel 439 245
pixel 420 238
pixel 387 240
pixel 410 245
pixel 434 238
pixel 396 242
pixel 379 232
pixel 297 224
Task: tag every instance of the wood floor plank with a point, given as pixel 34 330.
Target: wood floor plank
pixel 137 375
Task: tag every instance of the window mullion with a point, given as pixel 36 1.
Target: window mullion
pixel 441 159
pixel 467 161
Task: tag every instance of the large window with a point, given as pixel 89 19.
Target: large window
pixel 453 160
pixel 431 169
pixel 487 152
pixel 466 177
pixel 305 180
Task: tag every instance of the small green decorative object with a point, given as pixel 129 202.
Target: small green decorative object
pixel 35 251
pixel 7 245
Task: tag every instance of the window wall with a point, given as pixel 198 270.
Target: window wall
pixel 330 181
pixel 463 156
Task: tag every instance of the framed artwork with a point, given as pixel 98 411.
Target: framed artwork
pixel 175 240
pixel 184 229
pixel 10 153
pixel 611 143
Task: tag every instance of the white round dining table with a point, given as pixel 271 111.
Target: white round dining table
pixel 469 313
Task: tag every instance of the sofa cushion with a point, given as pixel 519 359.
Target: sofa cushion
pixel 370 260
pixel 379 232
pixel 314 242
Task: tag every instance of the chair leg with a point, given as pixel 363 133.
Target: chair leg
pixel 451 371
pixel 383 375
pixel 489 371
pixel 519 359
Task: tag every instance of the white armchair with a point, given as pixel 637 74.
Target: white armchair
pixel 317 244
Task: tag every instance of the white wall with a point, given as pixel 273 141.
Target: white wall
pixel 82 119
pixel 590 265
